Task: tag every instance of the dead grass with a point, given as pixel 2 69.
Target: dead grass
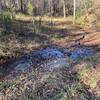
pixel 44 18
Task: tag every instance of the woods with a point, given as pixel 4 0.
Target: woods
pixel 45 7
pixel 49 49
pixel 54 8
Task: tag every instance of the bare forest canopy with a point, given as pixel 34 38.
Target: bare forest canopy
pixel 49 7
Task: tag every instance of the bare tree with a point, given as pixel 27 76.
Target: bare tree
pixel 74 11
pixel 0 6
pixel 64 8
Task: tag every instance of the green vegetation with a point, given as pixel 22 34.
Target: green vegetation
pixel 6 20
pixel 30 8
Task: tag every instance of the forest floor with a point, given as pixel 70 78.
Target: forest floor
pixel 79 83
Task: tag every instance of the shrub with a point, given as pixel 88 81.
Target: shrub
pixel 30 8
pixel 36 25
pixel 6 20
pixel 78 14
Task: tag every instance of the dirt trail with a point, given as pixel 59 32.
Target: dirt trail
pixel 71 37
pixel 91 37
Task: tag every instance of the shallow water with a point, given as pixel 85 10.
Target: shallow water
pixel 79 53
pixel 54 58
pixel 48 53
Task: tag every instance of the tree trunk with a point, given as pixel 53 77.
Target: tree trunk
pixel 0 6
pixel 74 11
pixel 21 5
pixel 64 9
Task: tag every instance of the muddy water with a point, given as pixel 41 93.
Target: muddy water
pixel 49 57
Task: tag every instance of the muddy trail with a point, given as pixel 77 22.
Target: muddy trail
pixel 48 58
pixel 72 45
pixel 45 73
